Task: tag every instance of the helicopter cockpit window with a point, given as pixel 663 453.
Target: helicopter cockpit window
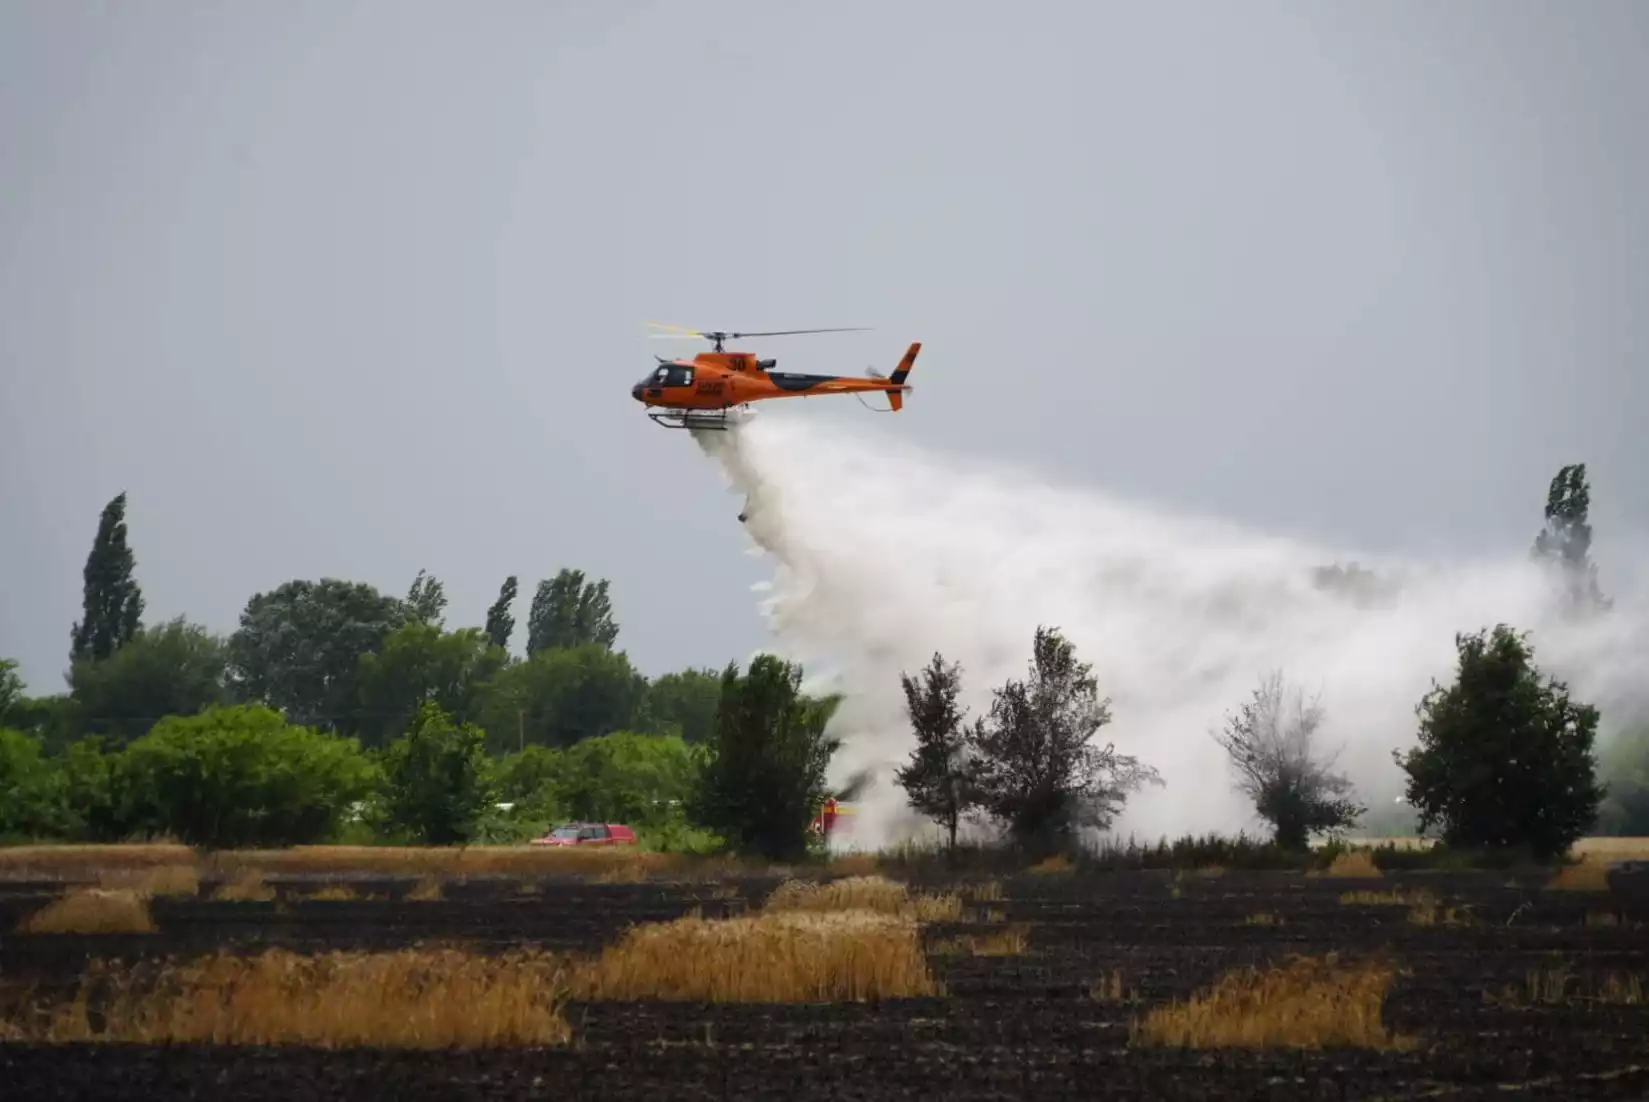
pixel 670 375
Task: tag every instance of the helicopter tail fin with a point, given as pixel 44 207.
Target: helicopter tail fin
pixel 896 398
pixel 906 364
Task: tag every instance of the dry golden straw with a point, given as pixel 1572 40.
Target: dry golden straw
pixel 407 999
pixel 780 957
pixel 1309 1003
pixel 92 911
pixel 1355 865
pixel 864 893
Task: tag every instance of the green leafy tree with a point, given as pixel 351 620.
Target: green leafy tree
pixel 766 775
pixel 560 696
pixel 1037 771
pixel 939 778
pixel 426 600
pixel 1566 540
pixel 686 702
pixel 240 776
pixel 626 777
pixel 299 645
pixel 420 663
pixel 176 668
pixel 530 776
pixel 436 779
pixel 31 794
pixel 500 623
pixel 568 611
pixel 1504 762
pixel 54 719
pixel 112 600
pixel 95 792
pixel 1280 769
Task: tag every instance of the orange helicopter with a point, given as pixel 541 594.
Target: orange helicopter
pixel 699 393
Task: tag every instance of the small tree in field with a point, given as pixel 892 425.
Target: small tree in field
pixel 1037 772
pixel 1270 741
pixel 766 771
pixel 437 778
pixel 938 780
pixel 1504 762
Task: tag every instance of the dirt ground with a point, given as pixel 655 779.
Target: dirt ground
pixel 1507 986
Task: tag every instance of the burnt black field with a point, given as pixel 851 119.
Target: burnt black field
pixel 1008 1027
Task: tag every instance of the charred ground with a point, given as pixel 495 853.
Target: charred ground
pixel 1503 981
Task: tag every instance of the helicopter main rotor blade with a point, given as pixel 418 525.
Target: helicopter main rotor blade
pixel 720 334
pixel 791 332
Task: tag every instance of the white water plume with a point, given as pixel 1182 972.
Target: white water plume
pixel 885 554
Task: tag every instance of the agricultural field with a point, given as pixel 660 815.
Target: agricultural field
pixel 150 972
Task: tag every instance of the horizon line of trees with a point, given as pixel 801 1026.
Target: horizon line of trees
pixel 337 712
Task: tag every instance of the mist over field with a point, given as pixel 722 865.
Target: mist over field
pixel 883 553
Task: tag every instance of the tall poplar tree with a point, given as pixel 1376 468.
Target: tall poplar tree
pixel 112 601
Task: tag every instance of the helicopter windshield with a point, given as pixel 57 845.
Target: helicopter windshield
pixel 670 375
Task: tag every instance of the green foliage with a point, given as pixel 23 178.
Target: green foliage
pixel 766 776
pixel 686 703
pixel 112 600
pixel 1278 767
pixel 55 719
pixel 1037 771
pixel 239 776
pixel 418 663
pixel 299 647
pixel 939 778
pixel 624 777
pixel 1504 762
pixel 94 793
pixel 567 611
pixel 1566 540
pixel 1624 768
pixel 528 775
pixel 436 775
pixel 31 795
pixel 677 834
pixel 177 668
pixel 500 624
pixel 627 777
pixel 426 600
pixel 559 696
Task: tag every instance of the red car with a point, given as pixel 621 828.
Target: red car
pixel 588 834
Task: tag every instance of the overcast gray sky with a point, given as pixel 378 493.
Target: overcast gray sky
pixel 353 289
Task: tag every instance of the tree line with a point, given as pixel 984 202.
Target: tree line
pixel 338 712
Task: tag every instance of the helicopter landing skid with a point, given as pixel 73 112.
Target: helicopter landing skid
pixel 716 420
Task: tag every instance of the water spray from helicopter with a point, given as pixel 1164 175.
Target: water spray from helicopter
pixel 1180 615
